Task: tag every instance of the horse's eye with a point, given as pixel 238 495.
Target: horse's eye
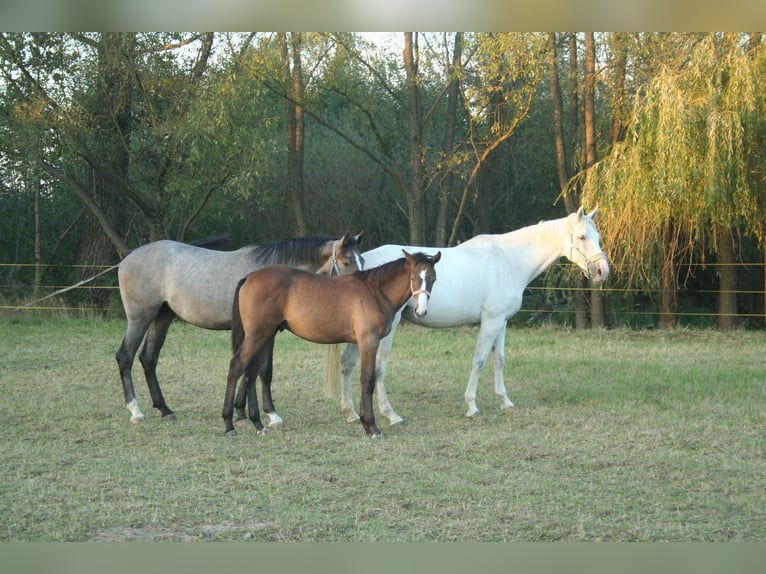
pixel 581 237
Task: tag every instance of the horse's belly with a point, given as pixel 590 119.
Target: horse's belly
pixel 444 316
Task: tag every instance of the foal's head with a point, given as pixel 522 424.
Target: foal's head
pixel 583 246
pixel 343 255
pixel 422 278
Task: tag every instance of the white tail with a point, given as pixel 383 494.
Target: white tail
pixel 332 370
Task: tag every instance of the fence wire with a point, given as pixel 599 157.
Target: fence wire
pixel 543 301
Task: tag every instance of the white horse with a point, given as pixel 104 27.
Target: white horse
pixel 482 281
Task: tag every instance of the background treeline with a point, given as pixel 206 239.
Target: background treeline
pixel 112 140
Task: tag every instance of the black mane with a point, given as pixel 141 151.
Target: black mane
pixel 299 250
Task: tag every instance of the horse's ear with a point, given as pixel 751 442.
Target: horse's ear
pixel 407 255
pixel 344 239
pixel 592 214
pixel 435 258
pixel 580 211
pixel 359 236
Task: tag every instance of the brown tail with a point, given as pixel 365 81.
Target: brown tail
pixel 237 330
pixel 332 370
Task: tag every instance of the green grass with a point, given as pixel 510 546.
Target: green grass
pixel 616 435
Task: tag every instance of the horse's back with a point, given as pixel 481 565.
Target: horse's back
pixel 473 280
pixel 309 305
pixel 196 283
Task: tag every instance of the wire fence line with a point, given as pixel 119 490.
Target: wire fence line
pixel 548 299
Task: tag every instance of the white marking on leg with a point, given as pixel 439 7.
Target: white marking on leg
pixel 135 413
pixel 275 421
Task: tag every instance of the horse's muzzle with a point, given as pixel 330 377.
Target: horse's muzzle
pixel 598 269
pixel 421 302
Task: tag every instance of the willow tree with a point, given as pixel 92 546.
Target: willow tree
pixel 679 184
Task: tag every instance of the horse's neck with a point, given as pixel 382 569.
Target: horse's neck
pixel 536 247
pixel 396 287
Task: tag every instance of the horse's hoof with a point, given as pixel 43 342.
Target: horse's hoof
pixel 170 417
pixel 397 423
pixel 276 425
pixel 137 419
pixel 376 435
pixel 507 410
pixel 260 432
pixel 472 413
pixel 351 419
pixel 232 433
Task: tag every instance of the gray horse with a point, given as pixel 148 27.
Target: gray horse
pixel 166 279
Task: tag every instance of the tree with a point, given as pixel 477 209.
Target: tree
pixel 498 98
pixel 679 181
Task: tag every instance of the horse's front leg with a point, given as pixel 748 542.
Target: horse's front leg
pixel 348 359
pixel 384 350
pixel 368 350
pixel 488 335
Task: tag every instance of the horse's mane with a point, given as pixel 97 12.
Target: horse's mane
pixel 381 273
pixel 306 250
pixel 548 230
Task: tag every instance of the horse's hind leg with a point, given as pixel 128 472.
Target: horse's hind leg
pixel 498 351
pixel 125 357
pixel 241 397
pixel 241 362
pixel 155 338
pixel 252 397
pixel 266 360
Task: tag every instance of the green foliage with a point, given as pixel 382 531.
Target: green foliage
pixel 684 167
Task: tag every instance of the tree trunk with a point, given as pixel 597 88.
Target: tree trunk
pixel 562 164
pixel 453 95
pixel 35 184
pixel 619 96
pixel 292 78
pixel 727 290
pixel 669 281
pixel 416 191
pixel 574 103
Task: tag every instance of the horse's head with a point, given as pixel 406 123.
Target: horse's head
pixel 582 246
pixel 343 255
pixel 422 278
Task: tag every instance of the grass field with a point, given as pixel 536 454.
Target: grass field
pixel 616 436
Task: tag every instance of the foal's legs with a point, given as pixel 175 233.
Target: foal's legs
pixel 242 396
pixel 368 350
pixel 266 360
pixel 155 338
pixel 349 359
pixel 249 357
